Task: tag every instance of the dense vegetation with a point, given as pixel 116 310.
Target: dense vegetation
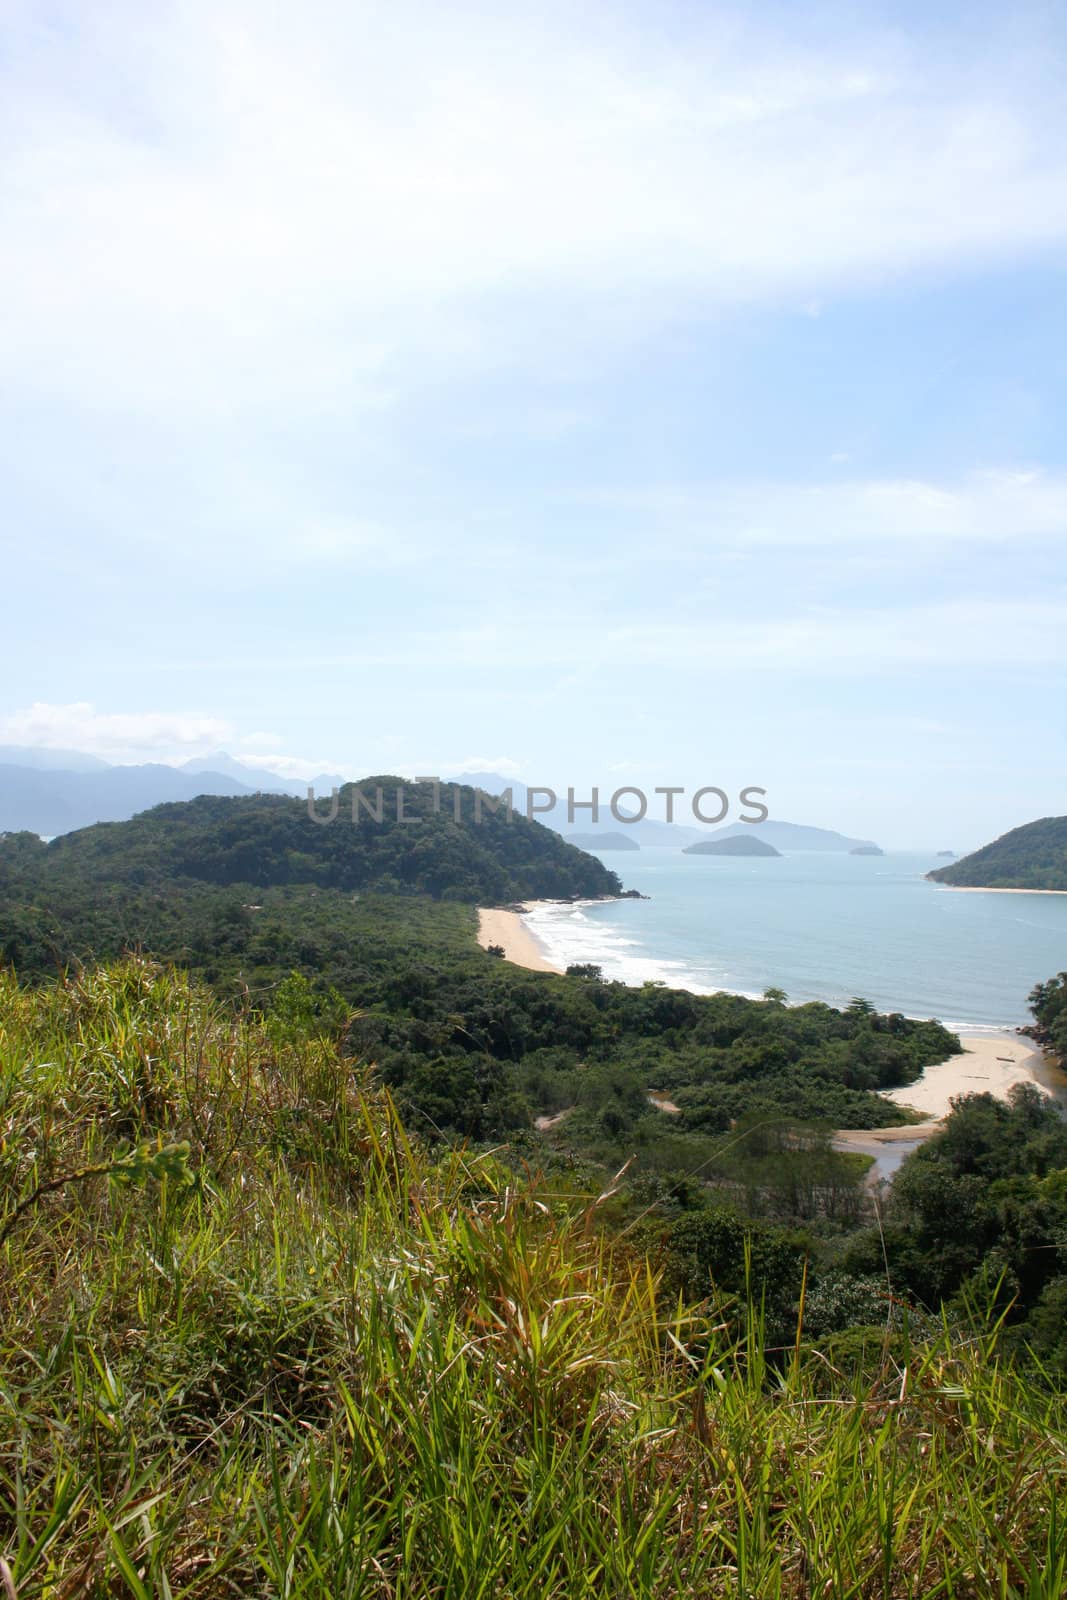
pixel 316 1278
pixel 981 1210
pixel 1049 1004
pixel 471 1045
pixel 1030 857
pixel 406 839
pixel 256 1341
pixel 720 1107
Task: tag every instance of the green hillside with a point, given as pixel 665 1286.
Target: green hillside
pixel 718 1107
pixel 270 840
pixel 364 1263
pixel 257 1341
pixel 1031 857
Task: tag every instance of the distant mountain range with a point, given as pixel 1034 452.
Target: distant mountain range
pixel 28 755
pixel 55 791
pixel 602 841
pixel 671 835
pixel 794 836
pixel 648 831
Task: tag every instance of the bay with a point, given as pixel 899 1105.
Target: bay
pixel 820 925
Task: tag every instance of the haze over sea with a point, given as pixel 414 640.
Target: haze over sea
pixel 821 926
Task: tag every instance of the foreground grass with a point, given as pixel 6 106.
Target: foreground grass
pixel 254 1343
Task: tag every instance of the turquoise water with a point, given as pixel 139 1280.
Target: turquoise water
pixel 821 927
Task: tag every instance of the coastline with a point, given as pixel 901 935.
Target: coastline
pixel 981 888
pixel 992 1063
pixel 508 929
pixel 511 928
pixel 683 941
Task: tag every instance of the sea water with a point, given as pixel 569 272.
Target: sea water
pixel 820 925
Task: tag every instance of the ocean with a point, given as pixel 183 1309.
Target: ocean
pixel 821 926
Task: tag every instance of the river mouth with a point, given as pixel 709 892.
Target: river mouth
pixel 991 1063
pixel 887 1147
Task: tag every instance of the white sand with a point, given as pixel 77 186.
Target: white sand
pixel 507 929
pixel 977 888
pixel 993 1064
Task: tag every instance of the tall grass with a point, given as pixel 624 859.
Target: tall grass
pixel 301 1357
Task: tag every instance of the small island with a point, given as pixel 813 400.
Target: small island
pixel 602 841
pixel 867 850
pixel 738 845
pixel 946 855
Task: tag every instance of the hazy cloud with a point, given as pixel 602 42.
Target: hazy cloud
pixel 983 507
pixel 114 736
pixel 217 205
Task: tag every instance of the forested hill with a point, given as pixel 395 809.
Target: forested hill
pixel 270 840
pixel 1031 857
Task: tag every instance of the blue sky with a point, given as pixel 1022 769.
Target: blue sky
pixel 656 394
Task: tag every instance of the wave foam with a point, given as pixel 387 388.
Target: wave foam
pixel 569 936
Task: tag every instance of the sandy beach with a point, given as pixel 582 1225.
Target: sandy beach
pixel 992 1064
pixel 507 929
pixel 977 888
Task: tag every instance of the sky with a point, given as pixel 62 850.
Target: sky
pixel 660 394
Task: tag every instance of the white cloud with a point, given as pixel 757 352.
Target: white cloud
pixel 219 206
pixel 114 736
pixel 503 766
pixel 167 737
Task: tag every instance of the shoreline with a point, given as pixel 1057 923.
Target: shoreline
pixel 994 1058
pixel 508 929
pixel 981 888
pixel 993 1061
pixel 524 949
pixel 991 1064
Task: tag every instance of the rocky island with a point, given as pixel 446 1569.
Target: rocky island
pixel 736 845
